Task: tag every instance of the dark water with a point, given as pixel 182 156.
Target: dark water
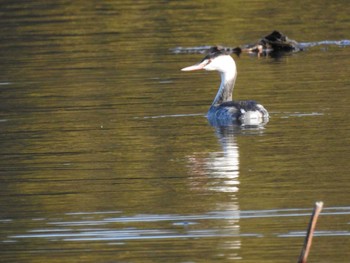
pixel 106 155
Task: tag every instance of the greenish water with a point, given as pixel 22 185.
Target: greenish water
pixel 106 154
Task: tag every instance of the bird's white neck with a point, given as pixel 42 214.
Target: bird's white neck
pixel 228 79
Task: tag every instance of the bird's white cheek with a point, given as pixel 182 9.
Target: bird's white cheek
pixel 209 67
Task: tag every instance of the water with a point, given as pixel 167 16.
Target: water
pixel 106 155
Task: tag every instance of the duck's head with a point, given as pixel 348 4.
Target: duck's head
pixel 218 58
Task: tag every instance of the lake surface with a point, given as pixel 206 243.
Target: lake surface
pixel 106 154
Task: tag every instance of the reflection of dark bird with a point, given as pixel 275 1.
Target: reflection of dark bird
pixel 223 110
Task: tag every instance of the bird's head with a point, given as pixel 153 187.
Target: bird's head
pixel 218 58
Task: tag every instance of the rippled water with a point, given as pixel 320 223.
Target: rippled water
pixel 106 154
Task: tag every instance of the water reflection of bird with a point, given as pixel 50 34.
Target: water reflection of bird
pixel 224 111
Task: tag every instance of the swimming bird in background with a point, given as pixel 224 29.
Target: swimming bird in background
pixel 224 111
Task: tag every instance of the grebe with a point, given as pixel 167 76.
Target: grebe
pixel 223 111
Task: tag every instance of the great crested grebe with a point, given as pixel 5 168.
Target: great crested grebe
pixel 224 111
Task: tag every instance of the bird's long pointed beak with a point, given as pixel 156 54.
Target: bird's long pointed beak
pixel 197 66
